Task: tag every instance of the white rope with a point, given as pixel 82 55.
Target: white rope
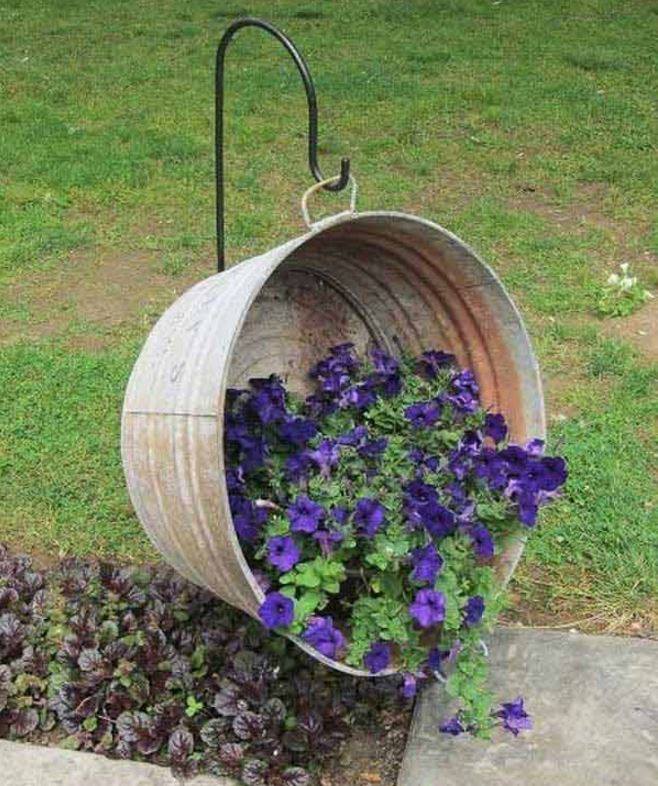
pixel 316 187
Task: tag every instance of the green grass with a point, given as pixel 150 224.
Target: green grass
pixel 527 128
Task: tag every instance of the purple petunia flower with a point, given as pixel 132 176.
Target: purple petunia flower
pixel 248 520
pixel 340 514
pixel 427 563
pixel 298 431
pixel 354 437
pixel 470 444
pixel 235 479
pixel 483 543
pixel 276 611
pixel 424 414
pixel 373 448
pixel 253 453
pixel 409 685
pixel 428 608
pixel 535 447
pixel 334 372
pixel 436 656
pixel 515 460
pixel 553 473
pixel 325 456
pixel 452 726
pixel 528 507
pixel 473 611
pixel 437 520
pixel 419 493
pixel 459 464
pixel 495 427
pixel 327 538
pixel 465 392
pixel 491 466
pixel 321 634
pixel 359 396
pixel 383 363
pixel 514 716
pixel 433 360
pixel 369 515
pixel 268 401
pixel 378 657
pixel 297 466
pixel 283 553
pixel 305 515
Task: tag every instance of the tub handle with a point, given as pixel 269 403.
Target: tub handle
pixel 323 184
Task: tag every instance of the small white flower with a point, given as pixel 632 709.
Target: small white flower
pixel 613 279
pixel 624 267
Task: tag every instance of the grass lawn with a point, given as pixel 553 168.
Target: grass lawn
pixel 528 128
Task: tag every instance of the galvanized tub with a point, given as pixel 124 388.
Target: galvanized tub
pixel 384 277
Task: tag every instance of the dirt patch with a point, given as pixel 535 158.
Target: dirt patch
pixel 94 292
pixel 371 757
pixel 640 329
pixel 588 211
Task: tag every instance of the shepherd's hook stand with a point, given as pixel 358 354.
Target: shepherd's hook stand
pixel 337 184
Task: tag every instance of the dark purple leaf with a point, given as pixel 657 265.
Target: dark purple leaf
pixel 295 776
pixel 248 725
pixel 180 746
pixel 214 732
pixel 8 596
pixel 254 772
pixel 227 701
pixel 231 755
pixel 274 709
pixel 88 706
pixel 12 633
pixel 25 722
pixel 90 660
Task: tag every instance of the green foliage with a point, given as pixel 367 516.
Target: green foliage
pixel 622 295
pixel 321 574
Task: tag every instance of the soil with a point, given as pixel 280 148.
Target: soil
pixel 100 289
pixel 639 329
pixel 370 757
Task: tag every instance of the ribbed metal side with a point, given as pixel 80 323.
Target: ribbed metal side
pixel 396 279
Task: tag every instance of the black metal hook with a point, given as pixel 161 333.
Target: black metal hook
pixel 341 181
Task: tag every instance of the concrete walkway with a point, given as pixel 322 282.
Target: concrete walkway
pixel 594 703
pixel 32 765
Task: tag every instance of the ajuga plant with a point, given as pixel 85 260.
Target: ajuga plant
pixel 372 513
pixel 140 664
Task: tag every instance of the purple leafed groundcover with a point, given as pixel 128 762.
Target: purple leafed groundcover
pixel 140 664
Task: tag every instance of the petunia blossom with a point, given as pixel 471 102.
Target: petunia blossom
pixel 369 515
pixel 321 634
pixel 305 515
pixel 473 611
pixel 283 553
pixel 378 657
pixel 424 414
pixel 427 563
pixel 428 608
pixel 276 611
pixel 514 717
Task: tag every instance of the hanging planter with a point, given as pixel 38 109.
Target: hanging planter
pixel 381 278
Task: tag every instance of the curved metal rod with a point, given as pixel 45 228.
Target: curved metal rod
pixel 341 181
